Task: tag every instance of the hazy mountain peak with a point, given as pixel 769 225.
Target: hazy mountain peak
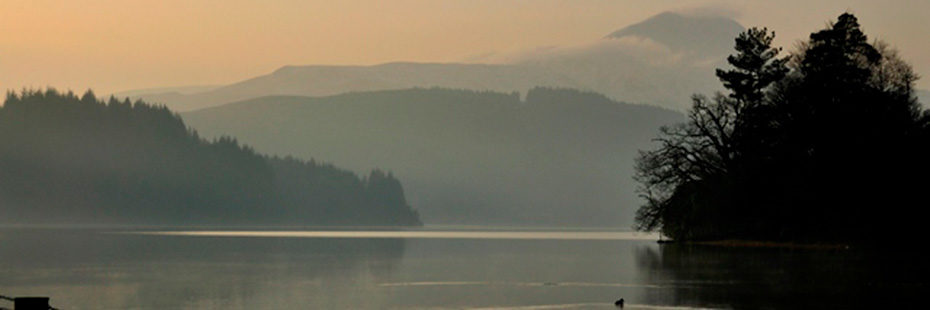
pixel 701 35
pixel 631 64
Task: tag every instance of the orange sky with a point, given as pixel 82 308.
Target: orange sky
pixel 114 45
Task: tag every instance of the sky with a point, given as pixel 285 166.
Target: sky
pixel 117 45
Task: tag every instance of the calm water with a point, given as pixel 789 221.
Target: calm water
pixel 122 269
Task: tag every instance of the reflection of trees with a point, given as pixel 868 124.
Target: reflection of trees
pixel 92 270
pixel 778 278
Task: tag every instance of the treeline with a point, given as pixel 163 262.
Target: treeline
pixel 827 144
pixel 66 159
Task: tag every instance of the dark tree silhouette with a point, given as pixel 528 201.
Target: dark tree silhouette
pixel 803 149
pixel 698 159
pixel 755 66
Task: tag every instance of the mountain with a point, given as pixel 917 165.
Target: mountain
pixel 175 97
pixel 70 160
pixel 704 37
pixel 661 61
pixel 332 80
pixel 180 90
pixel 558 156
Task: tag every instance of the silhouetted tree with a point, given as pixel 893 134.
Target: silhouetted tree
pixel 701 155
pixel 755 66
pixel 805 154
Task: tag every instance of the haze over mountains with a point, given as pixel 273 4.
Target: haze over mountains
pixel 481 154
pixel 559 157
pixel 471 156
pixel 660 61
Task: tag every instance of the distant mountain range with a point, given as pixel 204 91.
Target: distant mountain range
pixel 660 61
pixel 561 157
pixel 701 38
pixel 498 150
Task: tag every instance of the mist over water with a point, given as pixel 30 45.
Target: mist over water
pixel 780 177
pixel 424 269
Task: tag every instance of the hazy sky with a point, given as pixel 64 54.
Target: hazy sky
pixel 114 45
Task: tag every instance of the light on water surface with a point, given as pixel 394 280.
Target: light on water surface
pixel 426 269
pixel 504 235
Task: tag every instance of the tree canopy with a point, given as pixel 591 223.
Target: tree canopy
pixel 71 160
pixel 824 145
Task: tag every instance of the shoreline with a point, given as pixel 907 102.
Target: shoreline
pixel 761 244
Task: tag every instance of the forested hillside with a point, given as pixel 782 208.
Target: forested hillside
pixel 71 160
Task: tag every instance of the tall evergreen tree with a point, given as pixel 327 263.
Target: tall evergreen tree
pixel 755 66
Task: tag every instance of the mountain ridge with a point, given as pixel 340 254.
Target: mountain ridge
pixel 684 32
pixel 622 68
pixel 555 157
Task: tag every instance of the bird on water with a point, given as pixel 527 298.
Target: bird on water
pixel 619 303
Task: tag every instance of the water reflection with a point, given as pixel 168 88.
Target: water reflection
pixel 420 234
pixel 779 278
pixel 319 270
pixel 94 270
pixel 515 274
pixel 86 269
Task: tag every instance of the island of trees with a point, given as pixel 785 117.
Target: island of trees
pixel 66 159
pixel 825 145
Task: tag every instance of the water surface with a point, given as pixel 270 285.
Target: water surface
pixel 433 269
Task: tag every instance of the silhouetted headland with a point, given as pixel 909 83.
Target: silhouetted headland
pixel 824 146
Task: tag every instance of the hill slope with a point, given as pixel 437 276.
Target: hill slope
pixel 70 160
pixel 558 157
